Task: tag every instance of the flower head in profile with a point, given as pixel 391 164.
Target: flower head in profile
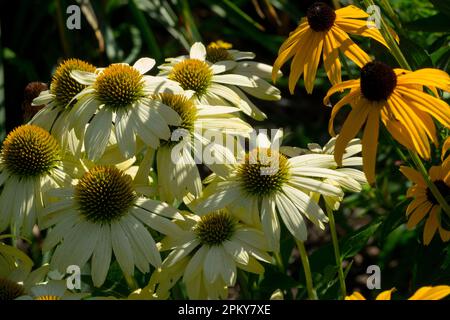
pixel 424 205
pixel 324 32
pixel 266 184
pixel 102 213
pixel 60 98
pixel 30 164
pixel 397 97
pixel 211 249
pixel 177 170
pixel 118 98
pixel 224 82
pixel 19 280
pixel 51 290
pixel 424 293
pixel 354 177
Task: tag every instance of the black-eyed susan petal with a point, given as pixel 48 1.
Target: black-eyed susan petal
pixel 418 137
pixel 331 60
pixel 428 77
pixel 294 36
pixel 370 143
pixel 288 53
pixel 416 203
pixel 431 293
pixel 431 225
pixel 351 12
pixel 350 128
pixel 349 84
pixel 444 234
pixel 445 148
pixel 355 296
pixel 385 295
pixel 310 69
pixel 352 96
pixel 300 59
pixel 413 175
pixel 350 49
pixel 435 107
pixel 360 27
pixel 395 127
pixel 418 214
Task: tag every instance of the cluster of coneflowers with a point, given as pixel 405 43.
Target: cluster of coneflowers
pixel 108 171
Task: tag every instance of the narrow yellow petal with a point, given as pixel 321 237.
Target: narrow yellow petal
pixel 299 60
pixel 431 225
pixel 370 143
pixel 428 77
pixel 385 295
pixel 412 175
pixel 349 84
pixel 436 173
pixel 445 148
pixel 355 296
pixel 418 215
pixel 359 27
pixel 352 96
pixel 429 104
pixel 349 48
pixel 414 205
pixel 431 293
pixel 331 60
pixel 351 126
pixel 294 36
pixel 351 12
pixel 397 130
pixel 310 67
pixel 418 137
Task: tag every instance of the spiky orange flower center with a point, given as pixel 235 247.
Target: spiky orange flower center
pixel 119 86
pixel 104 194
pixel 192 74
pixel 215 228
pixel 264 172
pixel 30 151
pixel 63 86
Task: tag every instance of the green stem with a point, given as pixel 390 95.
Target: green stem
pixel 243 285
pixel 147 33
pixel 279 262
pixel 398 55
pixel 337 254
pixel 305 261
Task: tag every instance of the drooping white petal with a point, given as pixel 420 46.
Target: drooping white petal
pixel 144 65
pixel 97 134
pixel 198 51
pixel 291 217
pixel 101 257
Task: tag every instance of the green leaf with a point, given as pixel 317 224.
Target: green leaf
pixel 442 5
pixel 416 56
pixel 393 220
pixel 147 33
pixel 354 243
pixel 437 23
pixel 441 58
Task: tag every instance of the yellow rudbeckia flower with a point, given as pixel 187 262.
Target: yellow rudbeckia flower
pixel 424 293
pixel 325 31
pixel 397 96
pixel 425 203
